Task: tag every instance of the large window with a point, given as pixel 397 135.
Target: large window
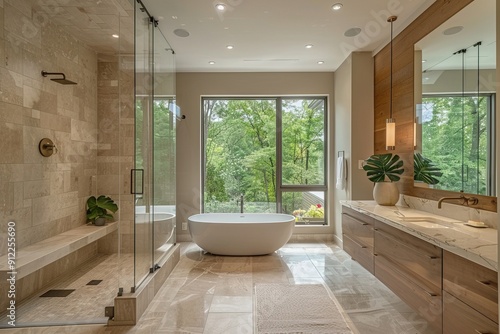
pixel 458 136
pixel 270 152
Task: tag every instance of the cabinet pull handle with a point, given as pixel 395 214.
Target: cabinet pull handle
pixel 432 294
pixel 388 236
pixel 356 219
pixel 480 332
pixel 357 244
pixel 492 285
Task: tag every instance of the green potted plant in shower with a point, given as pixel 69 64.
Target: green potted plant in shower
pixel 97 209
pixel 384 170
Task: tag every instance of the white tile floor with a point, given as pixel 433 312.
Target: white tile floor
pixel 214 294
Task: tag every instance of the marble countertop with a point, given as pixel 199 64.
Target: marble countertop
pixel 480 245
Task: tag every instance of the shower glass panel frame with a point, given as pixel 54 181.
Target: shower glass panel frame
pixel 140 175
pixel 163 139
pixel 153 175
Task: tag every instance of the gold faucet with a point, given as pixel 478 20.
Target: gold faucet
pixel 465 200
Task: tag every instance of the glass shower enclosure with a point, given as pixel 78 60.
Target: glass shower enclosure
pixel 153 176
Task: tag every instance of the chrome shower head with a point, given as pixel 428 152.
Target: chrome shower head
pixel 62 81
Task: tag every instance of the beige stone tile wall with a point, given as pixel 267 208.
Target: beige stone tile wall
pixel 115 141
pixel 44 196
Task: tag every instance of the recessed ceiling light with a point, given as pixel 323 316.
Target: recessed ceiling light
pixel 453 30
pixel 423 60
pixel 321 62
pixel 308 46
pixel 211 62
pixel 174 17
pixel 229 47
pixel 115 35
pixel 352 32
pixel 220 6
pixel 337 6
pixel 181 32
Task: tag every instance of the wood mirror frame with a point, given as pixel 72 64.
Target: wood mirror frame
pixel 403 96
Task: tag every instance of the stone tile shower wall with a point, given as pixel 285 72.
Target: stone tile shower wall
pixel 115 148
pixel 44 196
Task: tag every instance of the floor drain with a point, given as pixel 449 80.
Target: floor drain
pixel 57 293
pixel 94 282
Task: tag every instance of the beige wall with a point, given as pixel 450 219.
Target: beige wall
pixel 498 113
pixel 190 88
pixel 44 196
pixel 115 143
pixel 362 123
pixel 353 101
pixel 451 82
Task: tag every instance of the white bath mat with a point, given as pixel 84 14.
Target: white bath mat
pixel 287 308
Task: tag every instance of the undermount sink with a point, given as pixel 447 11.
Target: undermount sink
pixel 427 222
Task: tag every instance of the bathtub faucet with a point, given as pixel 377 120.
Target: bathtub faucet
pixel 240 202
pixel 138 198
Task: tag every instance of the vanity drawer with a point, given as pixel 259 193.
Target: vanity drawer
pixel 427 304
pixel 358 229
pixel 358 215
pixel 419 260
pixel 472 283
pixel 360 253
pixel 458 317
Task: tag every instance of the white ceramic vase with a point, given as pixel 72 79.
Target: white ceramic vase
pixel 386 193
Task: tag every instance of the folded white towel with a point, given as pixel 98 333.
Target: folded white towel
pixel 341 173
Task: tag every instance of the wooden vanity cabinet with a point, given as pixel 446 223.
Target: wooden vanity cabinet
pixel 357 235
pixel 453 294
pixel 412 269
pixel 459 317
pixel 472 290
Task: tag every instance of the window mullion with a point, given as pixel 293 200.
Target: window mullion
pixel 279 153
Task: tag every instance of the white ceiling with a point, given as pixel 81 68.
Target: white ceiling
pixel 270 35
pixel 479 24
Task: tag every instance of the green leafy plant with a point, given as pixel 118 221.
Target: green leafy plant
pixel 425 170
pixel 380 166
pixel 98 207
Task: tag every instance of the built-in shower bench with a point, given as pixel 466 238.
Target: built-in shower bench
pixel 36 256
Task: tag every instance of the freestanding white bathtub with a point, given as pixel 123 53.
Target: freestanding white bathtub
pixel 241 234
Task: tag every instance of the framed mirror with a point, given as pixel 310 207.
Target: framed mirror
pixel 454 129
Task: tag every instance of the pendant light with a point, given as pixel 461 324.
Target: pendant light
pixel 390 123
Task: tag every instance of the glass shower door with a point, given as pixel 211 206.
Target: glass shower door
pixel 141 186
pixel 164 127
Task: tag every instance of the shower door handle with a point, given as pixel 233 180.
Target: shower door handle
pixel 133 181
